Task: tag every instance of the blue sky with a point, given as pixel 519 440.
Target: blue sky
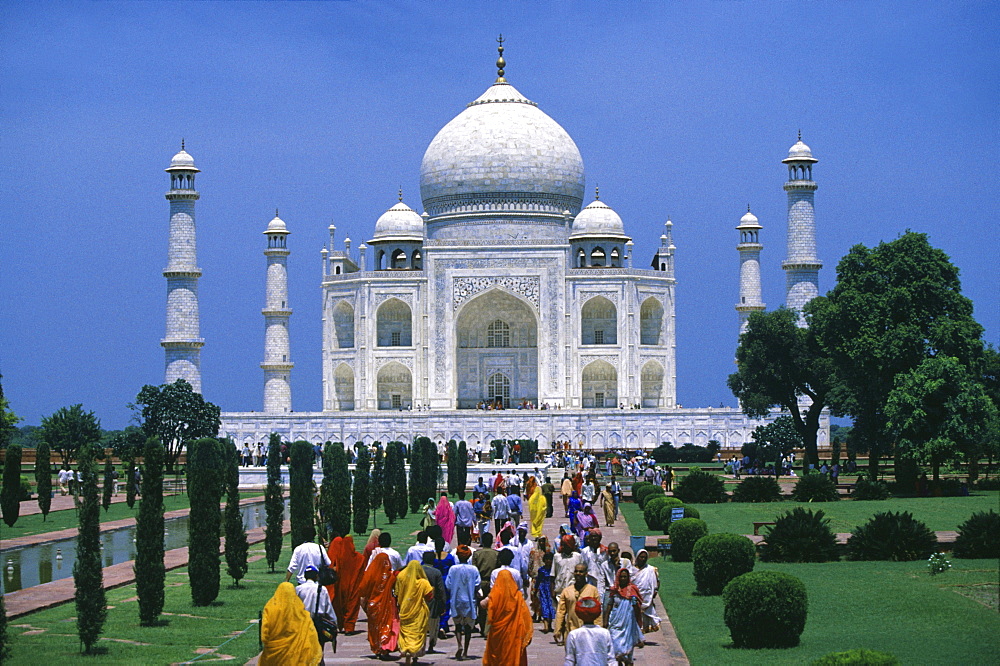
pixel 324 109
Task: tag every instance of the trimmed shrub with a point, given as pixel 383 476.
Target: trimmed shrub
pixel 653 510
pixel 237 547
pixel 109 483
pixel 719 558
pixel 43 478
pixel 815 487
pixel 988 484
pixel 857 657
pixel 667 509
pixel 150 574
pixel 300 493
pixel 979 536
pixel 88 572
pixel 362 483
pixel 4 636
pixel 646 493
pixel 10 494
pixel 335 492
pixel 700 487
pixel 800 535
pixel 757 489
pixel 274 502
pixel 684 534
pixel 377 487
pixel 691 512
pixel 205 479
pixel 898 537
pixel 866 489
pixel 636 487
pixel 765 609
pixel 398 479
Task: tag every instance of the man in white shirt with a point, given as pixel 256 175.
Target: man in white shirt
pixel 505 558
pixel 589 645
pixel 317 604
pixel 306 554
pixel 416 551
pixel 384 541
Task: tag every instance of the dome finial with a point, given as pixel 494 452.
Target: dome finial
pixel 597 192
pixel 500 61
pixel 800 135
pixel 276 213
pixel 748 208
pixel 182 143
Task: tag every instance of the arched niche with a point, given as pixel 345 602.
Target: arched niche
pixel 343 325
pixel 651 378
pixel 651 322
pixel 394 386
pixel 598 257
pixel 393 324
pixel 399 259
pixel 496 332
pixel 600 385
pixel 599 322
pixel 343 388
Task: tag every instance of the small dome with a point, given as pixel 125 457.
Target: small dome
pixel 399 223
pixel 182 161
pixel 598 219
pixel 748 220
pixel 800 152
pixel 277 226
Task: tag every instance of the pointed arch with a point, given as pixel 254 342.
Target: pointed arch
pixel 343 388
pixel 651 322
pixel 600 385
pixel 343 325
pixel 394 386
pixel 652 384
pixel 599 322
pixel 393 324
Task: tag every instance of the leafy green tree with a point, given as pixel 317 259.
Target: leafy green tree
pixel 177 415
pixel 150 573
pixel 88 573
pixel 8 420
pixel 109 483
pixel 335 493
pixel 393 459
pixel 237 547
pixel 69 429
pixel 10 494
pixel 779 363
pixel 893 306
pixel 274 503
pixel 127 445
pixel 362 485
pixel 43 478
pixel 300 492
pixel 773 440
pixel 205 479
pixel 939 412
pixel 377 489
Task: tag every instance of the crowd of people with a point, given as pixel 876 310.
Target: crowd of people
pixel 480 568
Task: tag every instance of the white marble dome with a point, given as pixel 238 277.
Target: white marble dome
pixel 182 160
pixel 501 154
pixel 598 219
pixel 800 152
pixel 277 226
pixel 399 222
pixel 749 220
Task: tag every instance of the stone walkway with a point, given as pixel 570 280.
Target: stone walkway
pixel 663 648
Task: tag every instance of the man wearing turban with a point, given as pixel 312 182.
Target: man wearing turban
pixel 589 645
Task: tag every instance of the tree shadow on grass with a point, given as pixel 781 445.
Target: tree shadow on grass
pixel 159 622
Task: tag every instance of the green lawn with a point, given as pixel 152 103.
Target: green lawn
pixel 895 607
pixel 940 513
pixel 67 519
pixel 188 629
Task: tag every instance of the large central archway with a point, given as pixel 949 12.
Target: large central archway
pixel 497 346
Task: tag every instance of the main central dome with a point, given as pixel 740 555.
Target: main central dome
pixel 501 157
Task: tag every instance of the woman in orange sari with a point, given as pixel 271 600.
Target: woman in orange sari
pixel 578 484
pixel 380 605
pixel 510 624
pixel 350 565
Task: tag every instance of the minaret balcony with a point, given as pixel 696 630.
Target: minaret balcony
pixel 800 185
pixel 276 312
pixel 182 343
pixel 801 265
pixel 193 272
pixel 286 365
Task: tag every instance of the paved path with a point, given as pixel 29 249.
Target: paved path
pixel 662 649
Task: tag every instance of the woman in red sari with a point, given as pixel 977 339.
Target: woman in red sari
pixel 350 565
pixel 578 484
pixel 380 605
pixel 510 624
pixel 445 516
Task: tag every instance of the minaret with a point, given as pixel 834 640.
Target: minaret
pixel 182 343
pixel 802 266
pixel 277 363
pixel 749 249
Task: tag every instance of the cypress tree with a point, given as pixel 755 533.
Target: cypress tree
pixel 109 482
pixel 377 489
pixel 401 482
pixel 300 492
pixel 150 574
pixel 274 503
pixel 205 479
pixel 390 501
pixel 362 483
pixel 417 498
pixel 452 463
pixel 88 577
pixel 237 547
pixel 130 485
pixel 10 495
pixel 336 491
pixel 463 466
pixel 4 637
pixel 43 478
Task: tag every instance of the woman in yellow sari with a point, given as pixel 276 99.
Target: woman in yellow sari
pixel 287 631
pixel 413 591
pixel 538 507
pixel 608 502
pixel 510 624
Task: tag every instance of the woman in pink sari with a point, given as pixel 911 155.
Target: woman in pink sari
pixel 445 516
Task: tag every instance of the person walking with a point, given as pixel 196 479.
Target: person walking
pixel 463 582
pixel 413 591
pixel 566 489
pixel 589 644
pixel 624 617
pixel 436 605
pixel 511 629
pixel 287 631
pixel 566 618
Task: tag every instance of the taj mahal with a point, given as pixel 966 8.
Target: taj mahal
pixel 506 308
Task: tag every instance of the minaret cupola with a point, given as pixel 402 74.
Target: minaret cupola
pixel 801 265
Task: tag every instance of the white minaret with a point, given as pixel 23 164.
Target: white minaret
pixel 749 249
pixel 182 343
pixel 802 266
pixel 277 363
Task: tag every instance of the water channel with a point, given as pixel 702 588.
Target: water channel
pixel 53 560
